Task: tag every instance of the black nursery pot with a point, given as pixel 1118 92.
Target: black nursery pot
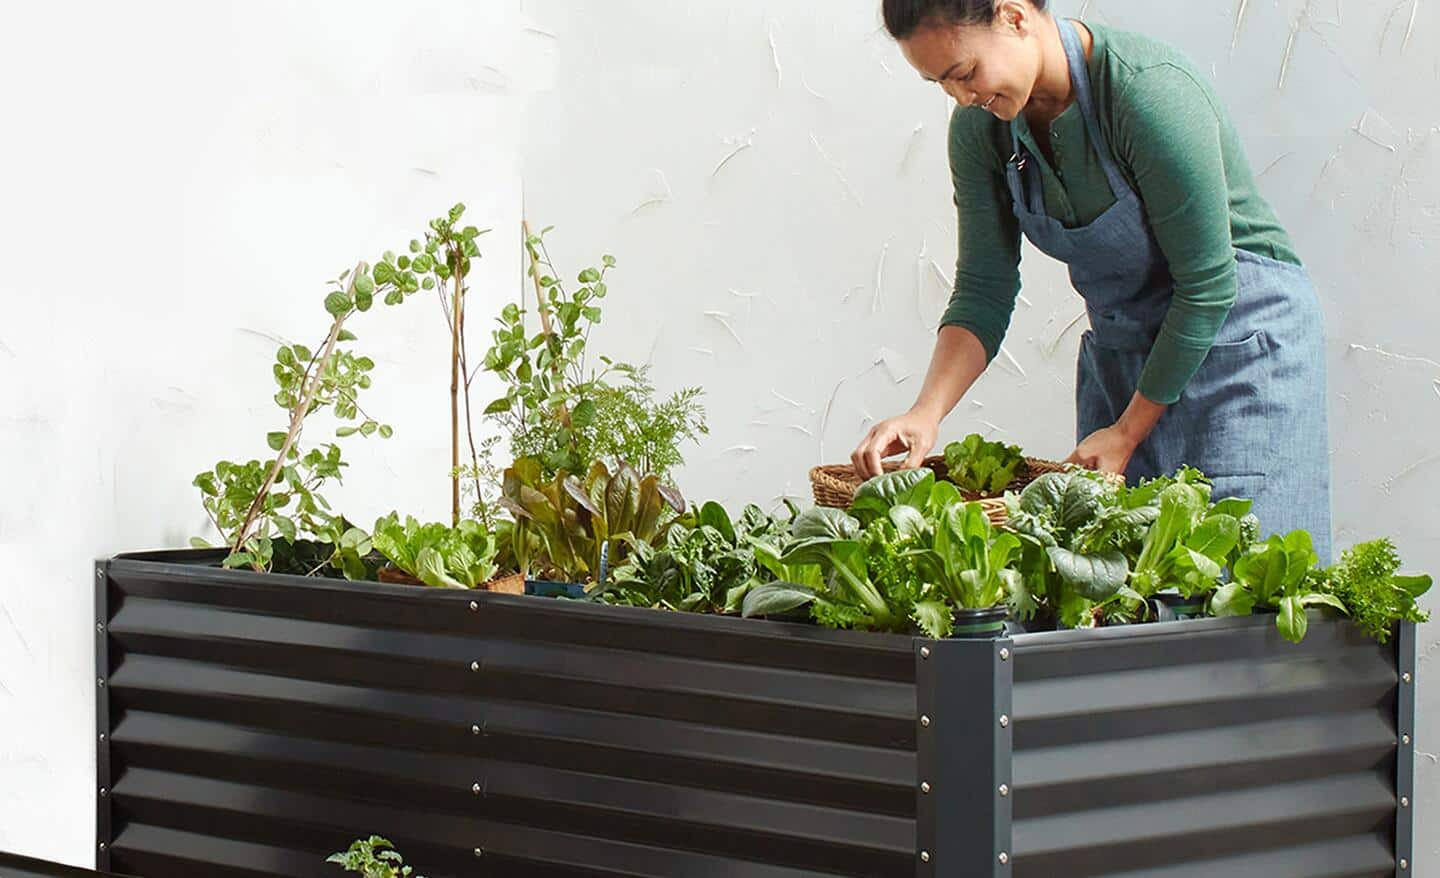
pixel 1169 606
pixel 980 624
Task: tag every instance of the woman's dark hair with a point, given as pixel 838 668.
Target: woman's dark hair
pixel 904 17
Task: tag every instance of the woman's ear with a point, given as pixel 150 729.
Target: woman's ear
pixel 1014 16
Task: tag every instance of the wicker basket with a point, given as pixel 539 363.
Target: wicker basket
pixel 835 485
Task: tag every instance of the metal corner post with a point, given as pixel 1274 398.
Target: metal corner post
pixel 1405 754
pixel 963 736
pixel 102 717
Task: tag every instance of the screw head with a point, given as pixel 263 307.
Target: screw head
pixel 925 721
pixel 475 788
pixel 100 682
pixel 102 736
pixel 474 730
pixel 1004 654
pixel 479 852
pixel 99 574
pixel 102 845
pixel 474 605
pixel 1003 858
pixel 1404 864
pixel 1004 721
pixel 100 626
pixel 475 666
pixel 925 786
pixel 1404 801
pixel 924 652
pixel 924 856
pixel 1004 790
pixel 104 792
pixel 1405 677
pixel 1405 739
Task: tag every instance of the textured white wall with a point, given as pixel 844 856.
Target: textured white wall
pixel 182 178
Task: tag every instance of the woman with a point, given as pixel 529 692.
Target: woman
pixel 1111 153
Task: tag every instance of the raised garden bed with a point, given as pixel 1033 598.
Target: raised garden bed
pixel 252 724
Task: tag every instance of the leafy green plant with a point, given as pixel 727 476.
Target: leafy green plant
pixel 707 564
pixel 1073 533
pixel 1365 580
pixel 571 520
pixel 560 410
pixel 1278 574
pixel 982 467
pixel 906 555
pixel 438 555
pixel 373 857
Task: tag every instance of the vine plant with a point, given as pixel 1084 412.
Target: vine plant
pixel 253 503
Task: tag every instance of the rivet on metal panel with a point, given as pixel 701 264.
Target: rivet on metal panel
pixel 475 666
pixel 924 856
pixel 102 736
pixel 474 606
pixel 1004 721
pixel 475 788
pixel 1004 790
pixel 1004 654
pixel 104 792
pixel 1404 864
pixel 100 683
pixel 925 786
pixel 924 652
pixel 1003 858
pixel 1405 739
pixel 479 852
pixel 1404 801
pixel 925 721
pixel 1405 676
pixel 474 730
pixel 100 626
pixel 99 574
pixel 102 845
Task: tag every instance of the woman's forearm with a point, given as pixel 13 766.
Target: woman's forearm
pixel 958 360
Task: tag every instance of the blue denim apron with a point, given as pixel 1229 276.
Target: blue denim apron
pixel 1253 417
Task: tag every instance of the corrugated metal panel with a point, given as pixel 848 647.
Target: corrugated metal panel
pixel 1228 752
pixel 16 866
pixel 257 724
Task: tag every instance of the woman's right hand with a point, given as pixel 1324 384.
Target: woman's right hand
pixel 913 431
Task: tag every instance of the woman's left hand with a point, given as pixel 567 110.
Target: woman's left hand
pixel 1107 450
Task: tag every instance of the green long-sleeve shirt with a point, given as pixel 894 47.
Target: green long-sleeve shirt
pixel 1174 143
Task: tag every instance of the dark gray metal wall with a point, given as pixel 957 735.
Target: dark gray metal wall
pixel 1230 750
pixel 256 724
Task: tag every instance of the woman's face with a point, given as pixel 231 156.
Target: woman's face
pixel 992 66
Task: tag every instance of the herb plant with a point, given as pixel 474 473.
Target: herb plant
pixel 563 412
pixel 374 857
pixel 982 467
pixel 1366 582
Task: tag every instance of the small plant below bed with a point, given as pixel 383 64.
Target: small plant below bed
pixel 374 857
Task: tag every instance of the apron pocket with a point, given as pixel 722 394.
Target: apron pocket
pixel 1224 417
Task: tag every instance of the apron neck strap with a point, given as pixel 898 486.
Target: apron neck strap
pixel 1080 79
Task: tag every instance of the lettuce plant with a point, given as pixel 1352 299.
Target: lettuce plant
pixel 571 520
pixel 462 556
pixel 1278 574
pixel 374 857
pixel 982 467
